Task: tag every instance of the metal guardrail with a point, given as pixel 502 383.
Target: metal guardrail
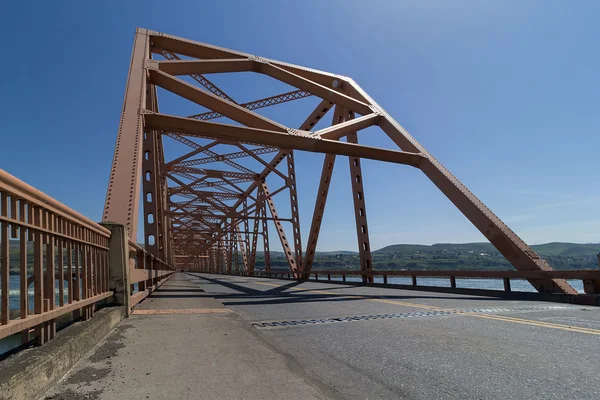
pixel 69 269
pixel 147 271
pixel 584 275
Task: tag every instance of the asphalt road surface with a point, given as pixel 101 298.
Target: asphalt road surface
pixel 374 343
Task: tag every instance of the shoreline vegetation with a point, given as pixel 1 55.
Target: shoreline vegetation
pixel 440 256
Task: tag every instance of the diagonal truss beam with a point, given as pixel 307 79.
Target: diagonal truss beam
pixel 320 201
pixel 213 102
pixel 285 244
pixel 324 92
pixel 348 127
pixel 200 78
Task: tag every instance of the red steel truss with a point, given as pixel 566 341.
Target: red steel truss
pixel 211 204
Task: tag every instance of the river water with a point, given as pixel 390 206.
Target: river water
pixel 516 285
pixel 14 293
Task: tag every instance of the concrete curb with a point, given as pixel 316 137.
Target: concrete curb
pixel 30 373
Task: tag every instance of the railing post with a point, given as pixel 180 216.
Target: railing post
pixel 385 279
pixel 343 277
pixel 118 262
pixel 506 284
pixel 414 280
pixel 453 282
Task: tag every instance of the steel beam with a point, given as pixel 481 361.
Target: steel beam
pixel 291 183
pixel 320 201
pixel 360 210
pixel 163 42
pixel 324 92
pixel 348 127
pixel 122 197
pixel 265 234
pixel 212 101
pixel 299 141
pixel 287 250
pixel 189 67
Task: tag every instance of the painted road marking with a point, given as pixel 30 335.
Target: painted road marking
pixel 317 321
pixel 183 311
pixel 522 321
pixel 427 313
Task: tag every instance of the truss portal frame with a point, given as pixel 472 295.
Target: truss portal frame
pixel 205 216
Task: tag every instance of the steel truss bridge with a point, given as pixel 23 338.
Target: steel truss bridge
pixel 213 177
pixel 209 205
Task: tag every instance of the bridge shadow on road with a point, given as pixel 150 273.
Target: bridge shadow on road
pixel 283 295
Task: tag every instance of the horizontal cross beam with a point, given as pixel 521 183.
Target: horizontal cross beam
pixel 299 141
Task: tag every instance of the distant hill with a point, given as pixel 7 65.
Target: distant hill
pixel 548 249
pixel 439 256
pixel 322 253
pixel 463 256
pixel 567 249
pixel 332 253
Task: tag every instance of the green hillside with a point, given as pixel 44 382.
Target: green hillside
pixel 404 248
pixel 567 249
pixel 335 252
pixel 548 249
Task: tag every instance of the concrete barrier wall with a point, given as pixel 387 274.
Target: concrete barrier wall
pixel 30 373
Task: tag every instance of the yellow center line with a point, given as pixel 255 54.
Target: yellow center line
pixel 407 304
pixel 589 331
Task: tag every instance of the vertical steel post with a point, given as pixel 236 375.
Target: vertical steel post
pixel 5 258
pixel 265 233
pixel 291 182
pixel 259 199
pixel 360 210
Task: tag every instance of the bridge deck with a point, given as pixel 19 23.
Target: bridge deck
pixel 340 341
pixel 186 352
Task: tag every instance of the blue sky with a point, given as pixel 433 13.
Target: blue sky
pixel 504 93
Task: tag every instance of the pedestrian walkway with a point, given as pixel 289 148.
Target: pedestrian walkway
pixel 180 343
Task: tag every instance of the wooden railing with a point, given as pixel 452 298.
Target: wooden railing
pixel 586 276
pixel 147 271
pixel 68 269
